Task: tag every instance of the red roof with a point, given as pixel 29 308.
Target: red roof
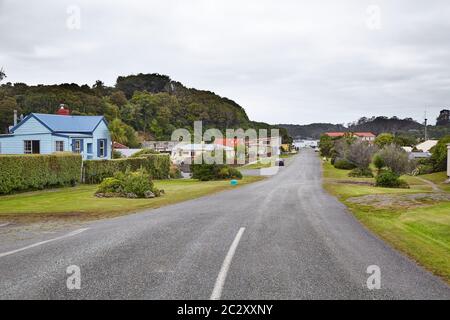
pixel 335 134
pixel 364 134
pixel 117 145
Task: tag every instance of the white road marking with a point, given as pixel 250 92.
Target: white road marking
pixel 71 234
pixel 217 292
pixel 4 225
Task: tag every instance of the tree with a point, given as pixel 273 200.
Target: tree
pixel 405 140
pixel 117 130
pixel 325 145
pixel 361 153
pixel 439 155
pixel 2 74
pixel 7 107
pixel 378 162
pixel 384 139
pixel 118 98
pixel 395 159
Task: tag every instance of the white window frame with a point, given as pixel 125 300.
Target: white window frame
pixel 77 143
pixel 60 143
pixel 102 144
pixel 27 150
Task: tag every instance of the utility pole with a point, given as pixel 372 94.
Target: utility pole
pixel 426 126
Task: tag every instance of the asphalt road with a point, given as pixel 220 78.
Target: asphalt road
pixel 298 243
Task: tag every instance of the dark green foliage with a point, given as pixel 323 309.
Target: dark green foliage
pixel 110 185
pixel 156 165
pixel 378 162
pixel 439 155
pixel 208 172
pixel 326 145
pixel 29 172
pixel 388 179
pixel 137 184
pixel 344 164
pixel 361 173
pixel 144 152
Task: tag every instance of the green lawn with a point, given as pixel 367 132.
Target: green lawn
pixel 423 233
pixel 80 201
pixel 257 165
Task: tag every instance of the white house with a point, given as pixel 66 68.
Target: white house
pixel 426 145
pixel 47 133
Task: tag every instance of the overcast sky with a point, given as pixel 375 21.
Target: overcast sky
pixel 283 61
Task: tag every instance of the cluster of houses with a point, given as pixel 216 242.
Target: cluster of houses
pixel 89 136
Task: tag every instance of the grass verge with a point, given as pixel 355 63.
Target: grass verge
pixel 423 233
pixel 80 203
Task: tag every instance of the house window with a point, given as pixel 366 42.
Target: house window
pixel 77 146
pixel 89 148
pixel 101 148
pixel 31 147
pixel 59 147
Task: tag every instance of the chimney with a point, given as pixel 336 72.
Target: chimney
pixel 63 111
pixel 15 117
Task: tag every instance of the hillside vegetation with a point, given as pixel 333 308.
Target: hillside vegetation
pixel 152 104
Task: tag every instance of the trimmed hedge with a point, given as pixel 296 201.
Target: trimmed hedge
pixel 31 172
pixel 157 165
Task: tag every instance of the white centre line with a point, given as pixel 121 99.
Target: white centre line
pixel 71 234
pixel 217 292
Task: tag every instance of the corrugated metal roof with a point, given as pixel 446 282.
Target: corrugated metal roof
pixel 58 123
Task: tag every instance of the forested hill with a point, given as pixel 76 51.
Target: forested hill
pixel 376 125
pixel 314 130
pixel 152 104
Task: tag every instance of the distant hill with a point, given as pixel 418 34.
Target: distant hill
pixel 376 125
pixel 313 131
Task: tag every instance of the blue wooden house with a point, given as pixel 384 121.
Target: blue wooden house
pixel 48 133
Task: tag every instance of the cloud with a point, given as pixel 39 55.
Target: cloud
pixel 284 61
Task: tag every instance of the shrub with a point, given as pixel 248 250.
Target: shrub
pixel 439 155
pixel 208 172
pixel 344 164
pixel 378 162
pixel 157 166
pixel 389 179
pixel 129 184
pixel 360 153
pixel 116 154
pixel 144 152
pixel 110 185
pixel 396 159
pixel 361 173
pixel 31 172
pixel 137 183
pixel 175 172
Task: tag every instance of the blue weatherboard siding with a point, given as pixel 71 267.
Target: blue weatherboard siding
pixel 49 129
